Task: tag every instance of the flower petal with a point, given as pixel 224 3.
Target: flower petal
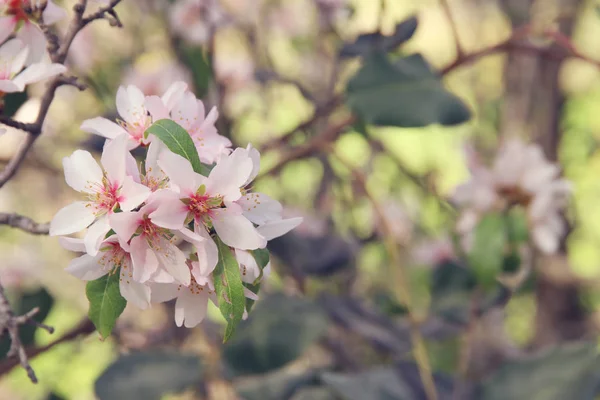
pixel 161 292
pixel 102 127
pixel 130 104
pixel 132 194
pixel 171 211
pixel 236 231
pixel 125 224
pixel 95 235
pixel 180 172
pixel 86 268
pixel 72 218
pixel 134 292
pixel 81 171
pixel 38 72
pixel 274 229
pixel 7 26
pixel 260 208
pixel 229 175
pixel 145 263
pixel 72 244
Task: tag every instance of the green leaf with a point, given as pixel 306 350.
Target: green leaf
pixel 148 376
pixel 278 331
pixel 229 288
pixel 372 42
pixel 261 256
pixel 487 254
pixel 194 58
pixel 565 372
pixel 106 302
pixel 516 226
pixel 404 93
pixel 179 141
pixel 12 103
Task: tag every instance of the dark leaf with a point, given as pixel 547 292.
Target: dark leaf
pixel 372 42
pixel 566 372
pixel 277 332
pixel 405 93
pixel 148 376
pixel 279 385
pixel 12 103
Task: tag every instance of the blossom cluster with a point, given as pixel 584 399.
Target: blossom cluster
pixel 157 224
pixel 520 176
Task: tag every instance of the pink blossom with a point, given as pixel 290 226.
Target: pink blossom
pixel 106 189
pixel 112 258
pixel 13 78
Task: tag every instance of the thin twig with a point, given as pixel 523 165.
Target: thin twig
pixel 84 327
pixel 419 349
pixel 24 223
pixel 308 149
pixel 454 27
pixel 10 323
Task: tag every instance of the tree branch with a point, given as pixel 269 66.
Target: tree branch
pixel 24 223
pixel 10 323
pixel 454 27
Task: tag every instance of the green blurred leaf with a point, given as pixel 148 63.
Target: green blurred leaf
pixel 106 302
pixel 12 103
pixel 278 385
pixel 516 226
pixel 148 376
pixel 229 288
pixel 487 253
pixel 196 61
pixel 178 140
pixel 566 372
pixel 372 42
pixel 381 383
pixel 511 262
pixel 277 332
pixel 406 93
pixel 451 288
pixel 262 259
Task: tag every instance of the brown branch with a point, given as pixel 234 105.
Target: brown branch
pixel 321 112
pixel 316 144
pixel 10 323
pixel 35 129
pixel 24 223
pixel 83 328
pixel 454 27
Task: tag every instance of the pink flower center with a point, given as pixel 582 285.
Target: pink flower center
pixel 103 197
pixel 196 289
pixel 136 129
pixel 200 205
pixel 114 257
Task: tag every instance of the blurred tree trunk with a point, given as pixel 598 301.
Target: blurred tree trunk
pixel 532 108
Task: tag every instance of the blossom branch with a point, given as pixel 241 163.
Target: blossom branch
pixel 10 323
pixel 419 349
pixel 59 56
pixel 24 223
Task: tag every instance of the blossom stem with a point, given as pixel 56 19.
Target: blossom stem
pixel 418 343
pixel 24 223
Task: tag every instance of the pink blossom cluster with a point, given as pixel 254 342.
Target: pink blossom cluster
pixel 156 225
pixel 24 58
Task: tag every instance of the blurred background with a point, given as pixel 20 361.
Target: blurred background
pixel 332 322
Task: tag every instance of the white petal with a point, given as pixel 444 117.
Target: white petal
pixel 103 127
pixel 229 175
pixel 545 239
pixel 132 194
pixel 86 268
pixel 38 72
pixel 113 159
pixel 236 231
pixel 274 229
pixel 125 224
pixel 72 244
pixel 171 211
pixel 7 86
pixel 208 255
pixel 53 13
pixel 72 218
pixel 249 294
pixel 130 104
pixel 260 208
pixel 95 235
pixel 156 108
pixel 81 170
pixel 190 309
pixel 174 261
pixel 145 263
pixel 174 94
pixel 248 266
pixel 7 26
pixel 134 292
pixel 180 171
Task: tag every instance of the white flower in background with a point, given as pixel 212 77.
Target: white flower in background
pixel 520 175
pixel 192 19
pixel 398 220
pixel 13 78
pixel 433 252
pixel 154 78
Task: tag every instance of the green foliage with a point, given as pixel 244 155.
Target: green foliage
pixel 451 288
pixel 516 226
pixel 487 253
pixel 277 332
pixel 404 93
pixel 178 140
pixel 278 385
pixel 148 376
pixel 373 42
pixel 566 372
pixel 106 302
pixel 229 288
pixel 195 59
pixel 12 103
pixel 262 259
